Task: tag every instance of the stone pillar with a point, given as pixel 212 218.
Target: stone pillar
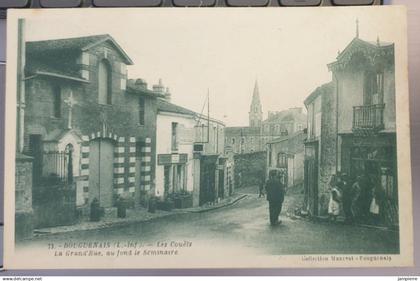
pixel 120 163
pixel 24 215
pixel 131 166
pixel 146 165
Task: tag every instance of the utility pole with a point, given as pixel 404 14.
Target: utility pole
pixel 21 50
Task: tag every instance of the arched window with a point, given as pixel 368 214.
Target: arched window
pixel 104 83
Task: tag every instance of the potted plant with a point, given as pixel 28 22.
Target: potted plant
pixel 152 205
pixel 183 199
pixel 165 205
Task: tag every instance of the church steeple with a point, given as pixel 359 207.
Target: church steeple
pixel 255 112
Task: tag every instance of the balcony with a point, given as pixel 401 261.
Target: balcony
pixel 368 118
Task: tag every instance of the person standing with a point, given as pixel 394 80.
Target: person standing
pixel 356 190
pixel 347 198
pixel 261 187
pixel 365 198
pixel 335 200
pixel 376 205
pixel 275 196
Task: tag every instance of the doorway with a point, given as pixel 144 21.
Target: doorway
pixel 101 171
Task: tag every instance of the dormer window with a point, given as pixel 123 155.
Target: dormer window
pixel 104 83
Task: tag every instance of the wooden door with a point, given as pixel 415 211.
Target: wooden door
pixel 221 191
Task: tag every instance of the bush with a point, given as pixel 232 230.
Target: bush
pixel 166 205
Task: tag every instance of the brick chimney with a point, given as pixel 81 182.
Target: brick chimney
pixel 159 88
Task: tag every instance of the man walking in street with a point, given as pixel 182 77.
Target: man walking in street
pixel 275 196
pixel 261 187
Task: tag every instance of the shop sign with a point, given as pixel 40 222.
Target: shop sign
pixel 174 158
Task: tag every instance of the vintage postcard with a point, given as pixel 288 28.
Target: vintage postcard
pixel 207 138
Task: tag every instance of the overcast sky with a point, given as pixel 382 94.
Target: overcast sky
pixel 225 50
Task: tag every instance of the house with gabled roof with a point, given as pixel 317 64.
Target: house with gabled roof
pixel 86 125
pixel 189 156
pixel 352 129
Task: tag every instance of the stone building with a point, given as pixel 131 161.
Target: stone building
pixel 352 125
pixel 253 138
pixel 287 154
pixel 85 123
pixel 320 148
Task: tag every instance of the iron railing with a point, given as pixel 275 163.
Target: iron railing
pixel 368 117
pixel 56 166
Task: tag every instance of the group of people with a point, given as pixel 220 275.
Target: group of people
pixel 275 189
pixel 361 200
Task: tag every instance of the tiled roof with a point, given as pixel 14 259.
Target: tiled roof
pixel 77 43
pixel 166 106
pixel 359 42
pixel 317 92
pixel 73 44
pixel 242 130
pixel 368 48
pixel 286 115
pixel 34 66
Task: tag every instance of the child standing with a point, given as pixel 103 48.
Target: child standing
pixel 335 200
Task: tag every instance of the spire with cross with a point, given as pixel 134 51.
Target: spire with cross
pixel 70 101
pixel 255 112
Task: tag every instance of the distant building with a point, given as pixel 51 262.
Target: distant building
pixel 287 154
pixel 253 138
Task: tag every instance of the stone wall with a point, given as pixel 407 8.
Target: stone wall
pixel 23 197
pixel 328 146
pixel 249 169
pixel 54 205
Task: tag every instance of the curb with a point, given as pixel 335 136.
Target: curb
pixel 324 219
pixel 221 206
pixel 39 232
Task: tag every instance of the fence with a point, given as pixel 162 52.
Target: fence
pixel 368 117
pixel 56 167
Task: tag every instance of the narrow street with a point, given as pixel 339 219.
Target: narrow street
pixel 243 227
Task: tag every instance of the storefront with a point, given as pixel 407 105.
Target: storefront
pixel 175 172
pixel 375 158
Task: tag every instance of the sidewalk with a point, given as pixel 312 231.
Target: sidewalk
pixel 135 216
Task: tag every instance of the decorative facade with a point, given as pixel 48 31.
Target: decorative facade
pixel 352 126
